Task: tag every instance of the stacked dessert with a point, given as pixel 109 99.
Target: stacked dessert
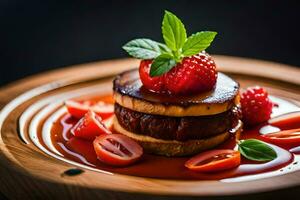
pixel 176 126
pixel 177 103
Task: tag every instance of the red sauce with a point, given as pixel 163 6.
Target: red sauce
pixel 164 167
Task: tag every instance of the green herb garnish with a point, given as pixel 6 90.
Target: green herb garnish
pixel 256 150
pixel 177 45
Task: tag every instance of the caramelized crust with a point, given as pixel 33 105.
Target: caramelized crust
pixel 129 93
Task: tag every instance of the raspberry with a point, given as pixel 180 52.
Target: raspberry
pixel 256 106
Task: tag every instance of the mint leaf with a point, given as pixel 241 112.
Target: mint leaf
pixel 256 150
pixel 145 48
pixel 173 31
pixel 198 42
pixel 164 49
pixel 162 64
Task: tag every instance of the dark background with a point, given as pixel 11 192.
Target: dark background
pixel 40 35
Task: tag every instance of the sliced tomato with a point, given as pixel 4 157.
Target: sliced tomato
pixel 214 160
pixel 79 109
pixel 89 127
pixel 291 136
pixel 117 149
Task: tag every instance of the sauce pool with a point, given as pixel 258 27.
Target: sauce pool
pixel 153 166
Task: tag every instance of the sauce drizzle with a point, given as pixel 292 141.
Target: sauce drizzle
pixel 162 167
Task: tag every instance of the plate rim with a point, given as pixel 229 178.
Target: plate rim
pixel 58 80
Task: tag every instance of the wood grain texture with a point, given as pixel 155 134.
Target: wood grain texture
pixel 28 173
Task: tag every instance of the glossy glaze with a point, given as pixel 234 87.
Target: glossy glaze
pixel 128 83
pixel 163 167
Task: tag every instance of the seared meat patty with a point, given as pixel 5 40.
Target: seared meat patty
pixel 178 148
pixel 176 128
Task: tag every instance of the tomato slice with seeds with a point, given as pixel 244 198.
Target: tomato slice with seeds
pixel 117 149
pixel 79 109
pixel 214 160
pixel 291 136
pixel 89 127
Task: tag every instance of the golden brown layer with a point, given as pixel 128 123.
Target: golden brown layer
pixel 174 110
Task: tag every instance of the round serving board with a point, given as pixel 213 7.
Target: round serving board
pixel 27 172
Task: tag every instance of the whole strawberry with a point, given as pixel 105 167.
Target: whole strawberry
pixel 176 67
pixel 256 106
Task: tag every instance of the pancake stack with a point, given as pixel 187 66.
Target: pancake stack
pixel 176 125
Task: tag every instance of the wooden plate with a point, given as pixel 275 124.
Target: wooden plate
pixel 27 172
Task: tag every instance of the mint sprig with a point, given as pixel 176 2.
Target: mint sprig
pixel 256 150
pixel 176 47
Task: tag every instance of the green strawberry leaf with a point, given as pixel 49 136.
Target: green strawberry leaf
pixel 198 42
pixel 173 31
pixel 162 64
pixel 145 48
pixel 256 150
